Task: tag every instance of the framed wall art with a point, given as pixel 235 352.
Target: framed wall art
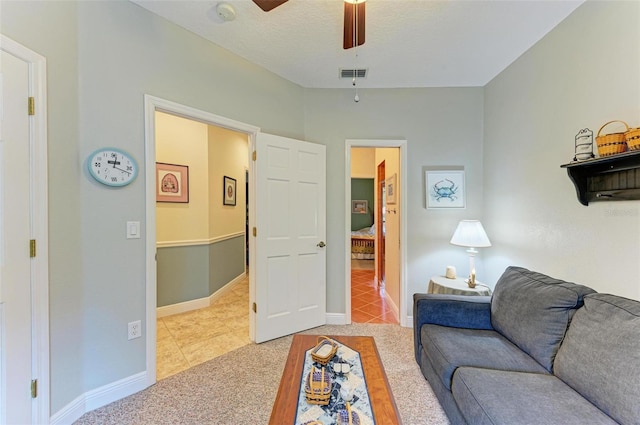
pixel 229 188
pixel 360 206
pixel 445 188
pixel 172 183
pixel 391 189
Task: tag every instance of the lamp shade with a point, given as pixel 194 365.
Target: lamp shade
pixel 470 233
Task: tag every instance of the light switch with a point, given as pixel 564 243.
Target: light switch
pixel 133 230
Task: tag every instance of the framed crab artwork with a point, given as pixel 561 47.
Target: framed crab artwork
pixel 445 188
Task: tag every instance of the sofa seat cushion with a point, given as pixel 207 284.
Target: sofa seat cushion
pixel 450 348
pixel 600 356
pixel 499 397
pixel 534 310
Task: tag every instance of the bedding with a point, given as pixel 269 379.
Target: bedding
pixel 363 243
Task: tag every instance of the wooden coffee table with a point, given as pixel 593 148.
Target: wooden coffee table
pixel 382 402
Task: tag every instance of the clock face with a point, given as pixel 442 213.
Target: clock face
pixel 112 167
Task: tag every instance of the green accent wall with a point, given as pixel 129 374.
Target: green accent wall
pixel 362 189
pixel 187 273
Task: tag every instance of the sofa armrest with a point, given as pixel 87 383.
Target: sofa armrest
pixel 456 311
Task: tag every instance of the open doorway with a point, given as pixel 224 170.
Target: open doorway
pixel 199 247
pixel 202 284
pixel 375 294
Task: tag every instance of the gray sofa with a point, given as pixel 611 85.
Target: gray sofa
pixel 538 351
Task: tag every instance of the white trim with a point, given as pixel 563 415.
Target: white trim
pixel 336 319
pixel 409 323
pixel 99 397
pixel 185 306
pixel 365 143
pixel 197 242
pixel 151 105
pixel 39 222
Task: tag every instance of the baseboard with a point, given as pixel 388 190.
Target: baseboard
pixel 394 307
pixel 183 307
pixel 100 397
pixel 336 319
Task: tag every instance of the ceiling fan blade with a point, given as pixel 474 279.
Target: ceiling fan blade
pixel 268 5
pixel 354 14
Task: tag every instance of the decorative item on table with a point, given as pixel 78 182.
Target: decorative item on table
pixel 450 273
pixel 632 136
pixel 341 368
pixel 348 416
pixel 324 350
pixel 317 387
pixel 584 145
pixel 346 391
pixel 471 234
pixel 612 143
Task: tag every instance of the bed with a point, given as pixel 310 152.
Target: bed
pixel 363 243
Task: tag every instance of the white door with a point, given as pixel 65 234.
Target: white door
pixel 290 236
pixel 15 262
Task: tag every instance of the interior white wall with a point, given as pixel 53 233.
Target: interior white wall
pixel 580 75
pixel 442 126
pixel 102 58
pixel 56 39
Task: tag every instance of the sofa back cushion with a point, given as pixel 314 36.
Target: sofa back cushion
pixel 533 311
pixel 600 356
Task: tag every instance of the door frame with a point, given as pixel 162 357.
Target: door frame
pixel 376 143
pixel 152 105
pixel 39 225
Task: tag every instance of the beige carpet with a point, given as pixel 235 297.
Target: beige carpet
pixel 240 387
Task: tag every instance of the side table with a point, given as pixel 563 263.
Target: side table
pixel 458 286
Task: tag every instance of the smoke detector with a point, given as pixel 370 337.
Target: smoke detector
pixel 226 12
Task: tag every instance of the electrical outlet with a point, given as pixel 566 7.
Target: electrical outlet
pixel 134 329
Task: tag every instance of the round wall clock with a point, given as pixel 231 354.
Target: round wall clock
pixel 112 167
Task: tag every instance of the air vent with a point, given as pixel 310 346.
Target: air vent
pixel 349 73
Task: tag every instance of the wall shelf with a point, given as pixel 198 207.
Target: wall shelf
pixel 610 178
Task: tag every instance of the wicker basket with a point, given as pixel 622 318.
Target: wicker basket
pixel 324 350
pixel 348 417
pixel 632 137
pixel 614 143
pixel 317 388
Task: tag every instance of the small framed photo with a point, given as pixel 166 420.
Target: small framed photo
pixel 445 188
pixel 391 189
pixel 359 206
pixel 229 188
pixel 172 183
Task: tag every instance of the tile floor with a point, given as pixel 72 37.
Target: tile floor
pixel 367 302
pixel 187 339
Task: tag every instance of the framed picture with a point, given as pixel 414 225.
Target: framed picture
pixel 229 188
pixel 172 183
pixel 391 189
pixel 445 188
pixel 360 206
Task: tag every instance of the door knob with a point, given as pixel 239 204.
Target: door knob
pixel 321 244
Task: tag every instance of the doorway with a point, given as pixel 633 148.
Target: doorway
pixel 153 105
pixel 202 285
pixel 393 215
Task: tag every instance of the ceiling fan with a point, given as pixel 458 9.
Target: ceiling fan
pixel 354 20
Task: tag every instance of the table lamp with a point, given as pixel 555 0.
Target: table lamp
pixel 471 234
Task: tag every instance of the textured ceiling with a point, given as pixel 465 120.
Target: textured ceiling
pixel 409 43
